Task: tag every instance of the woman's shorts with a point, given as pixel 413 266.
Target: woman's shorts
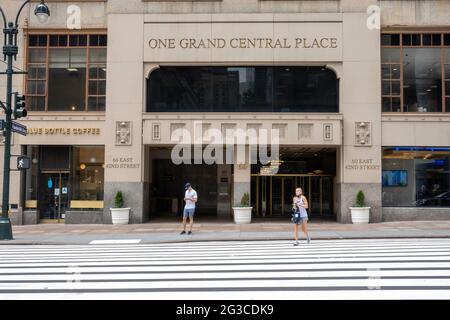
pixel 299 220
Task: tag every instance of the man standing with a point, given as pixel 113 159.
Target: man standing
pixel 190 197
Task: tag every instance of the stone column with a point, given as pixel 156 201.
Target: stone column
pixel 223 190
pixel 125 85
pixel 360 156
pixel 241 178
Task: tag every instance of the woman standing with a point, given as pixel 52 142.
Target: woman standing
pixel 300 216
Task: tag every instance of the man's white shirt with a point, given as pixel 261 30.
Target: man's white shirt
pixel 190 194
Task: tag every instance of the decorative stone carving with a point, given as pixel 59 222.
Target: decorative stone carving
pixel 282 128
pixel 228 129
pixel 123 133
pixel 175 126
pixel 328 132
pixel 362 134
pixel 305 130
pixel 156 131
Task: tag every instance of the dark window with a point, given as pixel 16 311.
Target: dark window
pixel 102 40
pixel 54 40
pixel 390 39
pixel 426 39
pixel 37 40
pixel 98 40
pixel 77 40
pixel 247 89
pixel 447 39
pixel 93 40
pixel 431 39
pixel 67 80
pixel 436 39
pixel 58 40
pixel 411 39
pixel 55 158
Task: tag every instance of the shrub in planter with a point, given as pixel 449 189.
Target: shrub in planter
pixel 119 214
pixel 118 200
pixel 243 211
pixel 245 200
pixel 360 199
pixel 359 212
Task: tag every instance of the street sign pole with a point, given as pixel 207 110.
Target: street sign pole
pixel 10 51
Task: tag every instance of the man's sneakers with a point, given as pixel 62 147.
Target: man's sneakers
pixel 190 232
pixel 184 232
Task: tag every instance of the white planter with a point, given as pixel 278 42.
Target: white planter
pixel 120 215
pixel 360 215
pixel 242 215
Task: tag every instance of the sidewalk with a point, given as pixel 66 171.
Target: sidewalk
pixel 161 232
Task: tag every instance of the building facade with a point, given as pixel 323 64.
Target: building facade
pixel 358 91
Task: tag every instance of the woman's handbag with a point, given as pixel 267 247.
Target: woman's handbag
pixel 295 215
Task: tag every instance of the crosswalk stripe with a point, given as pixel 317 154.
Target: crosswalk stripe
pixel 150 262
pixel 284 251
pixel 405 265
pixel 125 241
pixel 234 269
pixel 229 275
pixel 209 252
pixel 423 294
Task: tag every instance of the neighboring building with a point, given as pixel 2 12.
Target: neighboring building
pixel 357 108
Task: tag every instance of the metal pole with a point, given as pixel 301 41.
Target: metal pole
pixel 8 50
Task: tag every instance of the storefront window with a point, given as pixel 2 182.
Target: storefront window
pixel 87 173
pixel 31 181
pixel 415 72
pixel 242 89
pixel 416 177
pixel 64 177
pixel 66 72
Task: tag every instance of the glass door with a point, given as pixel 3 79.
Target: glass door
pixel 289 192
pixel 53 195
pixel 272 195
pixel 277 195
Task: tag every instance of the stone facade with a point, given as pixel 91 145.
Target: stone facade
pixel 358 131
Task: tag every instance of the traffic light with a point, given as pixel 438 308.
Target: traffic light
pixel 19 106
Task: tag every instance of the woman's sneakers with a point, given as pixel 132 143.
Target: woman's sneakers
pixel 308 239
pixel 296 243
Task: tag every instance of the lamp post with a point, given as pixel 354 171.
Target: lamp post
pixel 10 51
